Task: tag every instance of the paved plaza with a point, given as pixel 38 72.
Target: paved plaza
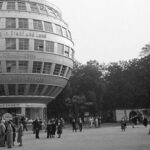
pixel 104 138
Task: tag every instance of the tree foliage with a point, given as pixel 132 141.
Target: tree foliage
pixel 98 87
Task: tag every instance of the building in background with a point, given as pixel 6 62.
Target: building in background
pixel 36 56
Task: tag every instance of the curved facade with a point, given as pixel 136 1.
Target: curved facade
pixel 36 55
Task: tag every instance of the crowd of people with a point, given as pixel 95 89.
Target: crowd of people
pixel 95 121
pixel 8 133
pixel 11 133
pixel 53 126
pixel 134 120
pixel 77 123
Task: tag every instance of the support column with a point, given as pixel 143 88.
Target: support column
pixel 23 111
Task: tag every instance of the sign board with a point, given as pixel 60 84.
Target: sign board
pixel 22 33
pixel 7 117
pixel 25 105
pixel 86 114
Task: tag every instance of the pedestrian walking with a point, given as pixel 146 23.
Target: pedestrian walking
pixel 33 126
pixel 96 122
pixel 123 124
pixel 20 134
pixel 59 129
pixel 2 133
pixel 49 129
pixel 37 128
pixel 145 121
pixel 74 128
pixel 53 128
pixel 14 131
pixel 80 124
pixel 91 121
pixel 9 135
pixel 25 124
pixel 99 121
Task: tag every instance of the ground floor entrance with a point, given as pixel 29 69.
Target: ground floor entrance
pixel 31 111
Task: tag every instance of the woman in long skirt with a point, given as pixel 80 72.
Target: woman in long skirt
pixel 20 134
pixel 9 135
pixel 2 133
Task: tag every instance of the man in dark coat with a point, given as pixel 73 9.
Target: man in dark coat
pixel 74 128
pixel 49 129
pixel 37 128
pixel 145 121
pixel 59 129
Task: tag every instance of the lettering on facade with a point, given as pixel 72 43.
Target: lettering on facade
pixel 14 105
pixel 29 34
pixel 22 80
pixel 9 105
pixel 14 56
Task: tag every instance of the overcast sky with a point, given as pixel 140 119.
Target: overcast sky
pixel 107 30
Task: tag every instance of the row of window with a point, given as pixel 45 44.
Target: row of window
pixel 22 66
pixel 23 23
pixel 32 89
pixel 39 45
pixel 31 7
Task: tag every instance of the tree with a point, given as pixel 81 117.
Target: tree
pixel 145 50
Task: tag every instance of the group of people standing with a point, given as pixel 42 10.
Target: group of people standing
pixel 8 132
pixel 52 126
pixel 134 121
pixel 95 121
pixel 76 122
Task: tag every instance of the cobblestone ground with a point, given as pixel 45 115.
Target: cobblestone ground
pixel 105 138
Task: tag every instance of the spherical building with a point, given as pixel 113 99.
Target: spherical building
pixel 36 56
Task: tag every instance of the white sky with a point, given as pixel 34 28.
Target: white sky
pixel 107 30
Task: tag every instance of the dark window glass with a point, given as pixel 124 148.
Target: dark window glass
pixel 22 6
pixel 49 46
pixel 48 26
pixel 40 89
pixel 37 66
pixel 11 89
pixel 23 66
pixel 23 23
pixel 47 68
pixel 11 6
pixel 11 66
pixel 23 44
pixel 2 90
pixel 48 89
pixel 10 44
pixel 10 23
pixel 57 69
pixel 38 45
pixel 63 70
pixel 66 52
pixel 37 24
pixel 1 3
pixel 21 89
pixel 32 89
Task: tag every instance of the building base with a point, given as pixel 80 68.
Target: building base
pixel 31 111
